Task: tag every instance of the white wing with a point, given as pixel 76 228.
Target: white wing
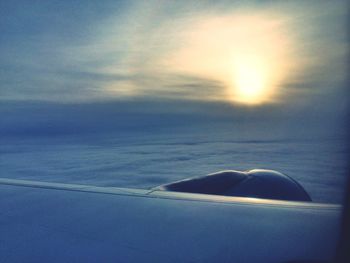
pixel 51 222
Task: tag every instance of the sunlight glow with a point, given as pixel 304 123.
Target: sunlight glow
pixel 250 55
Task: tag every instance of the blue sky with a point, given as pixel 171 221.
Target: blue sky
pixel 134 52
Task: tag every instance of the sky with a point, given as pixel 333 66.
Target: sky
pixel 224 61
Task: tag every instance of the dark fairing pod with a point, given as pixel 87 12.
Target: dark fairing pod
pixel 257 183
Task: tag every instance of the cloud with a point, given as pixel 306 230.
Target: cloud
pixel 167 49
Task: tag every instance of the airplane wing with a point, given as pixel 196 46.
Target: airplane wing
pixel 53 222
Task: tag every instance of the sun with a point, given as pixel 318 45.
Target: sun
pixel 250 83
